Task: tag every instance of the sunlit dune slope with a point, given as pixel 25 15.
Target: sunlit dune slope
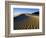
pixel 26 22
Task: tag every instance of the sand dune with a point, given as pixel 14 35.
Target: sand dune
pixel 28 22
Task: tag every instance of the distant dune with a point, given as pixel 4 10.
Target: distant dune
pixel 20 18
pixel 26 22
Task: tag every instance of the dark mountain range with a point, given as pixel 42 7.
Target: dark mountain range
pixel 36 13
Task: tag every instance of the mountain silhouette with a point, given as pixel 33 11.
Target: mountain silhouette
pixel 36 13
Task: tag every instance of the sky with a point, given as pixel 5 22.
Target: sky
pixel 18 11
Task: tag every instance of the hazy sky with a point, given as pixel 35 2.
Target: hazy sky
pixel 17 11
